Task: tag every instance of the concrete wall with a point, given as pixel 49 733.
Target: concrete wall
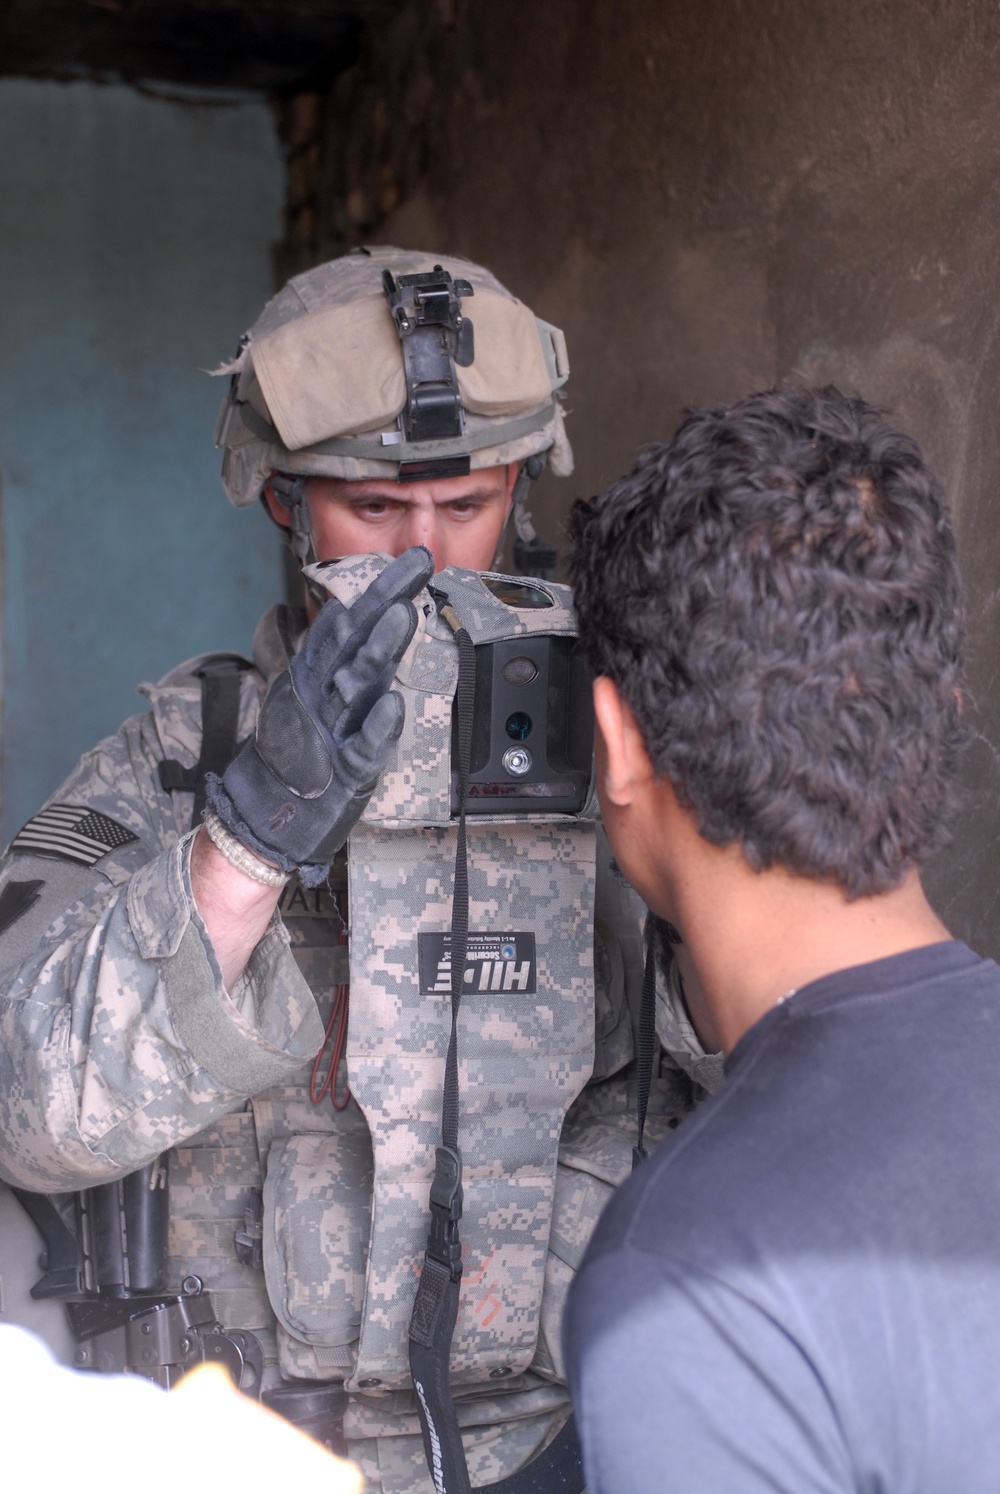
pixel 135 239
pixel 709 198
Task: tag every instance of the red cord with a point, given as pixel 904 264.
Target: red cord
pixel 338 1020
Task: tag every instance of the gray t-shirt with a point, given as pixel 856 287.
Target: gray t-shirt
pixel 801 1290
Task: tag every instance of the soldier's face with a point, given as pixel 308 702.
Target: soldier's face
pixel 459 519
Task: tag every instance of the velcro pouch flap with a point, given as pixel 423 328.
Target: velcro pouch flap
pixel 509 374
pixel 332 372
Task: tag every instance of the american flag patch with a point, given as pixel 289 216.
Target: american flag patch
pixel 73 832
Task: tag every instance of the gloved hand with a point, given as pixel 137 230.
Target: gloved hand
pixel 326 729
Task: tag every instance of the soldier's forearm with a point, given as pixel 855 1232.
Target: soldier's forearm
pixel 234 908
pixel 118 1034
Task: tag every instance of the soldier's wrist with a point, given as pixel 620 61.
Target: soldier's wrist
pixel 240 856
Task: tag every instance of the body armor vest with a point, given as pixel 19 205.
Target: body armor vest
pixel 526 1038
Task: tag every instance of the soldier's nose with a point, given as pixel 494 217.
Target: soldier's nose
pixel 422 529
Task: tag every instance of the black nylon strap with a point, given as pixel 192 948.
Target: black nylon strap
pixel 465 699
pixel 431 1328
pixel 435 1308
pixel 647 1039
pixel 220 714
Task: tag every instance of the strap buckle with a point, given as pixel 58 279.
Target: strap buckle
pixel 443 1243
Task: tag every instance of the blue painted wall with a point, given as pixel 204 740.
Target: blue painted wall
pixel 135 239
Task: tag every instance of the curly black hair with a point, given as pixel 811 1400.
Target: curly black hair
pixel 776 595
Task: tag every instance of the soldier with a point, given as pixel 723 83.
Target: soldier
pixel 176 989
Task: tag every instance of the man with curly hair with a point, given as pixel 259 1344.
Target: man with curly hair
pixel 801 1291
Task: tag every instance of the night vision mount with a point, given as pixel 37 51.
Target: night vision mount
pixel 427 311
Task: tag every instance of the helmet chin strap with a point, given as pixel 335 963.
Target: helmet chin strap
pixel 290 489
pixel 532 556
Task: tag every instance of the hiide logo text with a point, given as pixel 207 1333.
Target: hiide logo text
pixel 503 962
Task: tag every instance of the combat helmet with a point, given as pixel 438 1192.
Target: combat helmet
pixel 395 364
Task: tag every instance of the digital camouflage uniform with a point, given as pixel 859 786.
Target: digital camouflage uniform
pixel 118 1042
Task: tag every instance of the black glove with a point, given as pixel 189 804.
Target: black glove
pixel 296 790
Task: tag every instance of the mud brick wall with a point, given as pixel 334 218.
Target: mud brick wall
pixel 710 198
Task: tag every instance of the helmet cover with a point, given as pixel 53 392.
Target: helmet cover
pixel 321 386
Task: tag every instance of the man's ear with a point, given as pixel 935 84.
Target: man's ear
pixel 622 760
pixel 280 512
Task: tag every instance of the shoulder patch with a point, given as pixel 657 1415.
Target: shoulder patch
pixel 72 832
pixel 15 900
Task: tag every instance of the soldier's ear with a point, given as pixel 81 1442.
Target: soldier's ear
pixel 280 512
pixel 624 769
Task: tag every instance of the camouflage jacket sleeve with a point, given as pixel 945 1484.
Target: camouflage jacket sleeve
pixel 117 1037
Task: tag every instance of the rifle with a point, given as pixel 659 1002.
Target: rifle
pixel 106 1257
